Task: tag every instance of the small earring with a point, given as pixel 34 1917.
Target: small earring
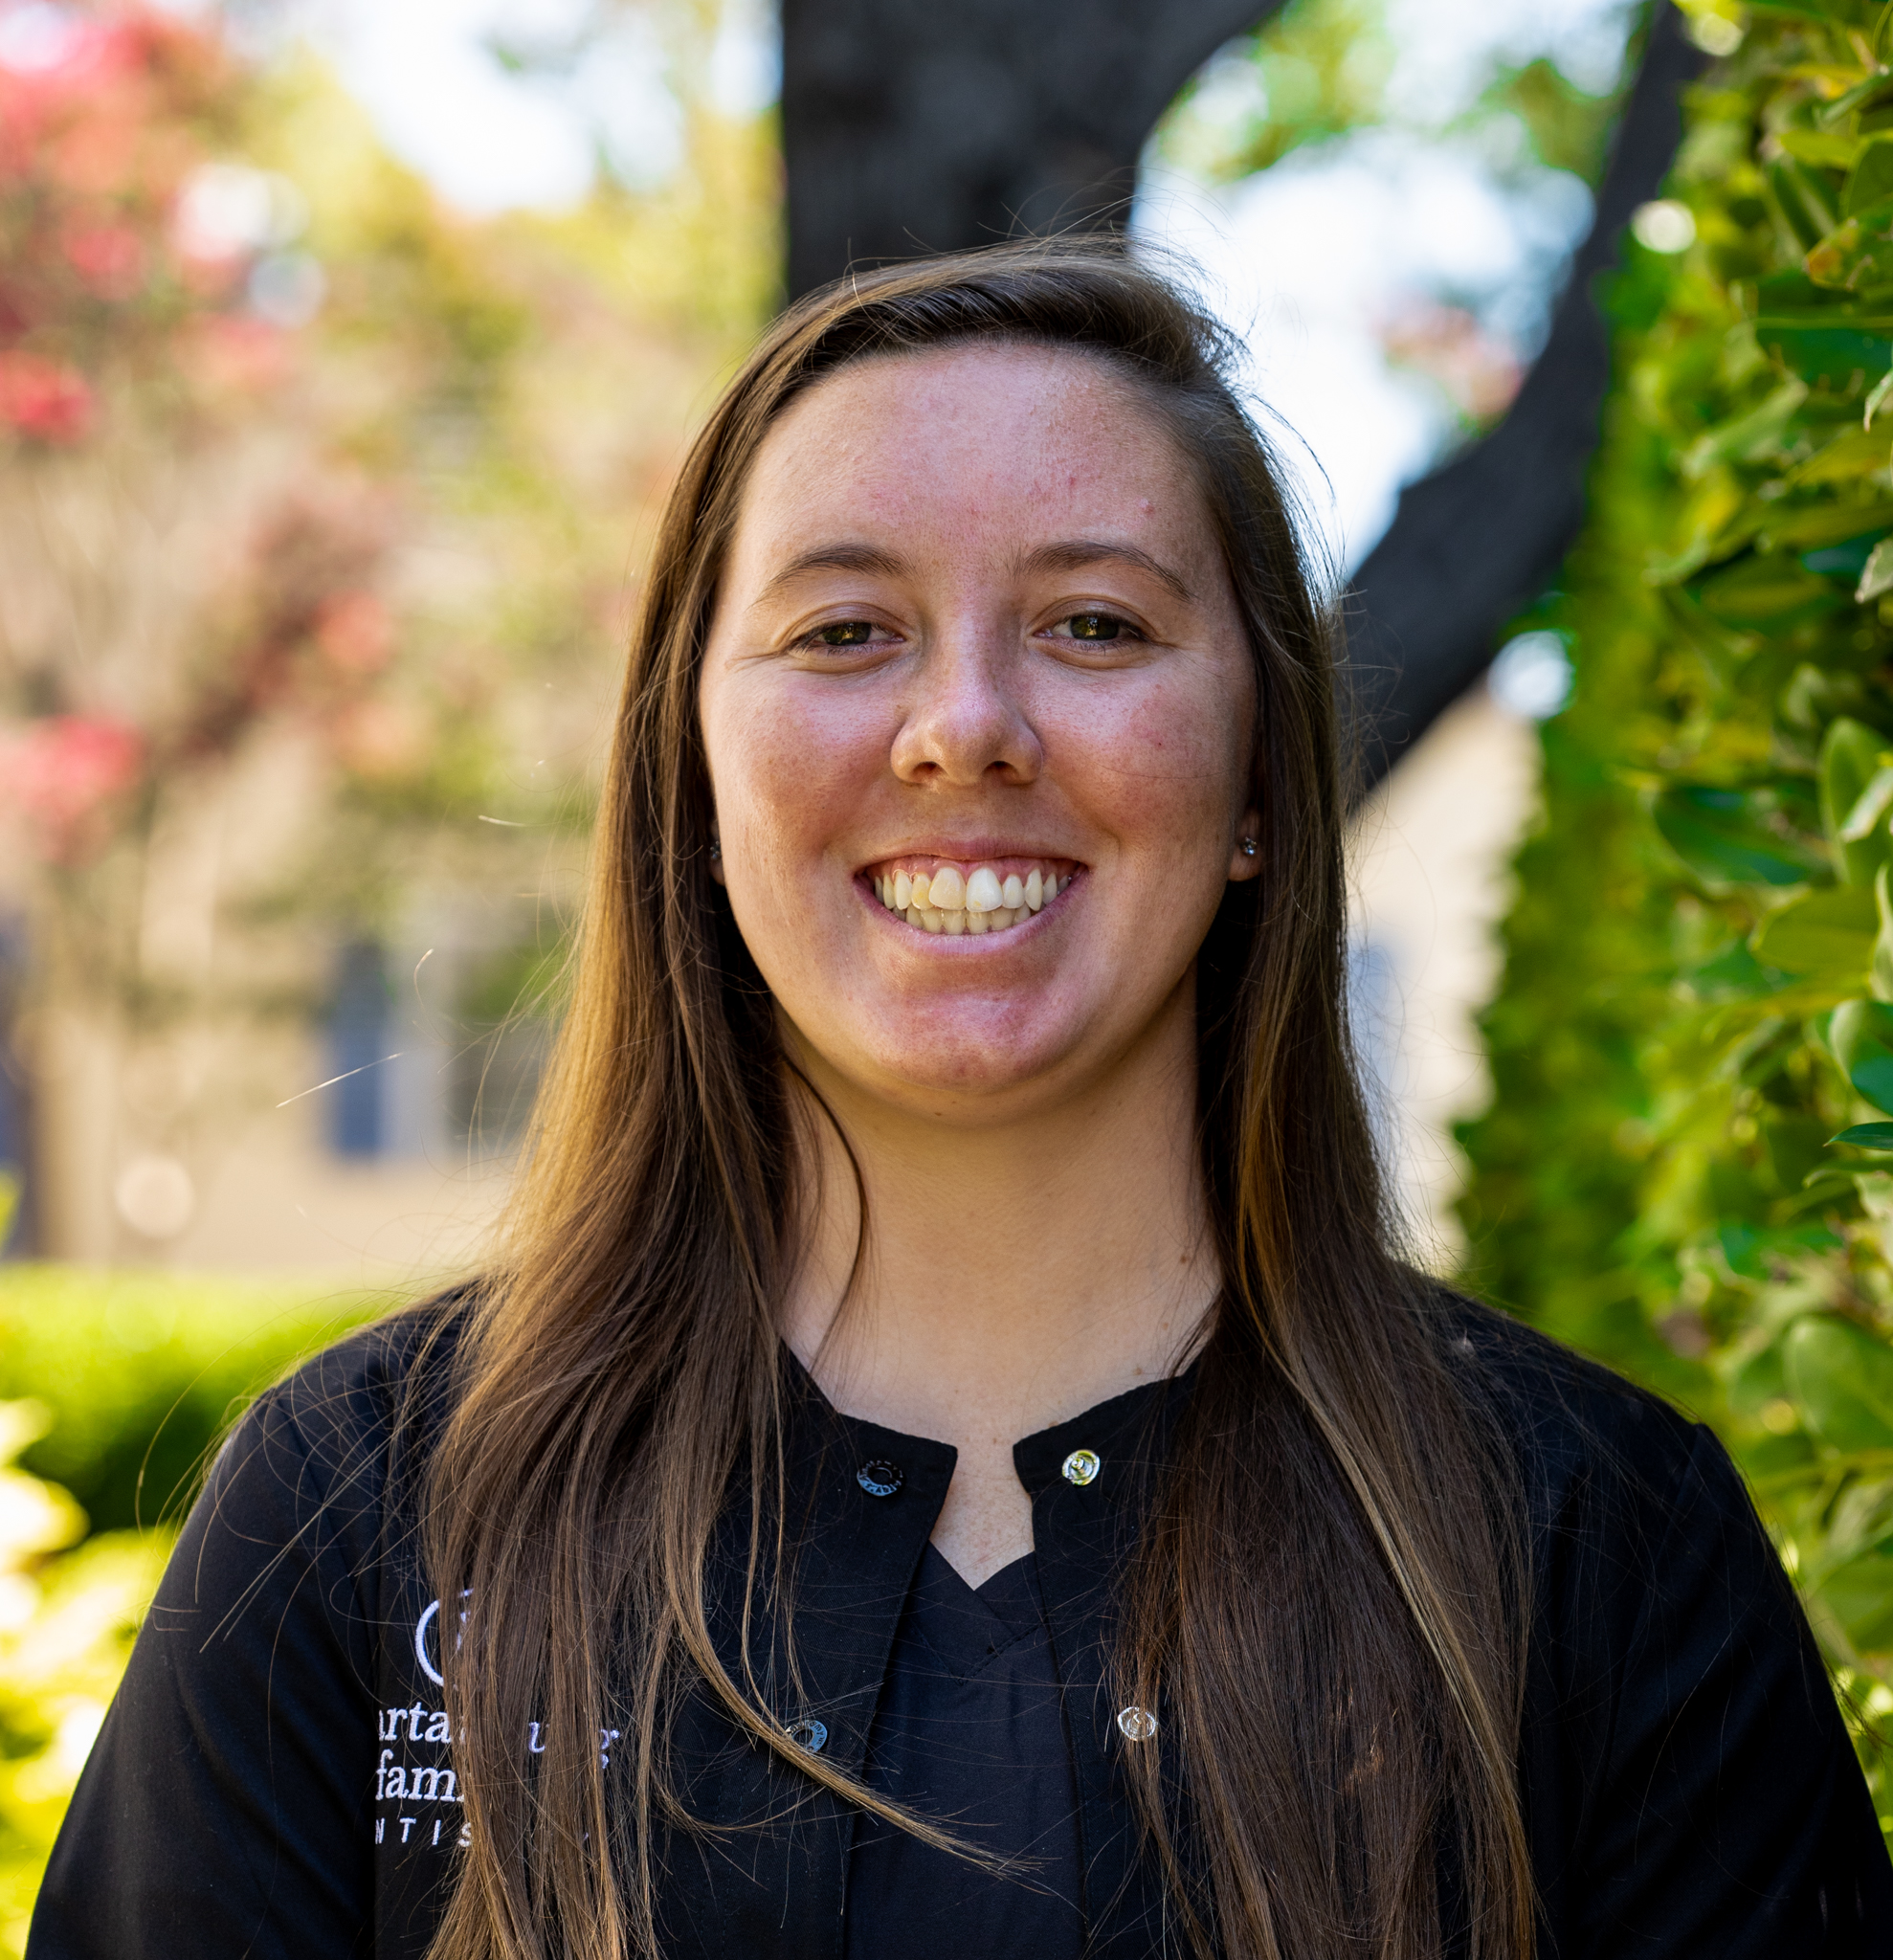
pixel 715 849
pixel 1247 847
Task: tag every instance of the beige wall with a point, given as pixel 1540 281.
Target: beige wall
pixel 1430 871
pixel 265 1192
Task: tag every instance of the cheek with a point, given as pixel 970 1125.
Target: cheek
pixel 1164 772
pixel 787 768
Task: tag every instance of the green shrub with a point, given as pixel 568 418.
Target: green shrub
pixel 67 1618
pixel 141 1371
pixel 1688 1167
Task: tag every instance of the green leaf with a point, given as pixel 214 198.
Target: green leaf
pixel 1824 149
pixel 1820 335
pixel 1804 201
pixel 1822 11
pixel 1837 356
pixel 1813 697
pixel 1827 935
pixel 1872 177
pixel 1750 1253
pixel 1869 807
pixel 1856 254
pixel 1866 1136
pixel 1748 436
pixel 1876 574
pixel 1734 974
pixel 1859 1593
pixel 1851 756
pixel 1860 1035
pixel 1843 1380
pixel 1768 593
pixel 1812 526
pixel 1875 181
pixel 1881 972
pixel 1733 836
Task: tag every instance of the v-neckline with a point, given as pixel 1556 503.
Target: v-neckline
pixel 966 1627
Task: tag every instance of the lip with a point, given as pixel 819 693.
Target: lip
pixel 970 851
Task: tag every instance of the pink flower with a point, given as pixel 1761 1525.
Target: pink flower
pixel 379 739
pixel 354 631
pixel 62 773
pixel 110 258
pixel 233 354
pixel 43 398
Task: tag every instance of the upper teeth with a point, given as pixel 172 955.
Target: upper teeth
pixel 944 900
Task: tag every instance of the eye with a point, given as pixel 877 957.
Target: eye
pixel 845 633
pixel 1097 626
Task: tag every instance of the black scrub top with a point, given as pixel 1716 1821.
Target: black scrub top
pixel 970 1732
pixel 275 1780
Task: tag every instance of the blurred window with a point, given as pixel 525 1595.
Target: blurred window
pixel 357 1038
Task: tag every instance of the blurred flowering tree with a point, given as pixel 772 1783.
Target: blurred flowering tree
pixel 315 503
pixel 125 346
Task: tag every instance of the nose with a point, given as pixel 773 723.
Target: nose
pixel 965 720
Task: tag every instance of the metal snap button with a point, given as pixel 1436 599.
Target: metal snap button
pixel 1081 1466
pixel 879 1478
pixel 811 1734
pixel 1138 1725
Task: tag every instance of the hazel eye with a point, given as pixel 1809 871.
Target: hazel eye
pixel 846 633
pixel 1096 626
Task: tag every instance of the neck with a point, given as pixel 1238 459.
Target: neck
pixel 1015 1272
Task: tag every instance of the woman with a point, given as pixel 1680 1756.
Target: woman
pixel 946 1460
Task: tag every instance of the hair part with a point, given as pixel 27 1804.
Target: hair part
pixel 1325 1601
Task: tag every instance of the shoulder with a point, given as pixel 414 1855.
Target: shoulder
pixel 1562 1411
pixel 346 1417
pixel 1598 1454
pixel 1688 1783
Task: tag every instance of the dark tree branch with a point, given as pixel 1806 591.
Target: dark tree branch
pixel 1475 542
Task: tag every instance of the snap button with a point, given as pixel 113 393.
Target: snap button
pixel 1081 1466
pixel 811 1734
pixel 879 1478
pixel 1138 1725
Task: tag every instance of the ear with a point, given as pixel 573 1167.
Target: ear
pixel 1245 855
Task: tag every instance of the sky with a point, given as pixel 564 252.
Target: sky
pixel 492 139
pixel 1312 261
pixel 1309 261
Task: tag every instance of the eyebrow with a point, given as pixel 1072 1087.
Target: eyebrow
pixel 1071 554
pixel 868 558
pixel 1076 553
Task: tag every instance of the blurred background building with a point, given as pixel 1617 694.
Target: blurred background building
pixel 345 353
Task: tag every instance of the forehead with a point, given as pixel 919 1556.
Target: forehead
pixel 981 439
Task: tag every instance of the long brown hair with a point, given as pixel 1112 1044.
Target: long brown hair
pixel 1325 1598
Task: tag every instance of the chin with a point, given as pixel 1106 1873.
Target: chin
pixel 942 1055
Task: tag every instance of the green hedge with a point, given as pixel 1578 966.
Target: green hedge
pixel 1688 1168
pixel 141 1371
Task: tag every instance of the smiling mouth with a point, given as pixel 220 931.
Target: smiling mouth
pixel 934 896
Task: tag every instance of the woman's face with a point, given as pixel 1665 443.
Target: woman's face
pixel 976 655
